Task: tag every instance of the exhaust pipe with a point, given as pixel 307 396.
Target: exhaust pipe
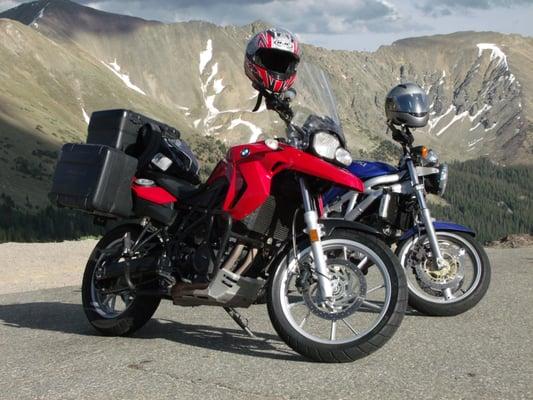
pixel 115 270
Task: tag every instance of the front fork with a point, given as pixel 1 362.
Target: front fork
pixel 314 232
pixel 424 214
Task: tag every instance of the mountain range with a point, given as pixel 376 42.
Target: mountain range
pixel 61 61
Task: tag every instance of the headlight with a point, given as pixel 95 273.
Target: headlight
pixel 343 156
pixel 325 145
pixel 432 158
pixel 436 183
pixel 429 157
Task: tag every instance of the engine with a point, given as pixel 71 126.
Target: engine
pixel 193 260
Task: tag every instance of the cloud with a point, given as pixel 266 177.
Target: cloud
pixel 449 7
pixel 7 4
pixel 304 16
pixel 301 16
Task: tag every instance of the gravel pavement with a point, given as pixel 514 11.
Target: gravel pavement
pixel 49 351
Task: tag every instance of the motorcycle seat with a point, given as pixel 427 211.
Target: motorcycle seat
pixel 179 188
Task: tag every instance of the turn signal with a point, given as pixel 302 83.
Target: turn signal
pixel 424 151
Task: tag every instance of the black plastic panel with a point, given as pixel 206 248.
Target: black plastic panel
pixel 119 128
pixel 94 178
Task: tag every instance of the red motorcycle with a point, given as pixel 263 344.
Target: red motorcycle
pixel 334 292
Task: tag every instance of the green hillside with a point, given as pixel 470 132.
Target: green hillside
pixel 31 222
pixel 493 199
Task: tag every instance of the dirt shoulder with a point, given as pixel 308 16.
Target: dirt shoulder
pixel 33 266
pixel 513 242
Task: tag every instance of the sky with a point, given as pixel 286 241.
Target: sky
pixel 338 24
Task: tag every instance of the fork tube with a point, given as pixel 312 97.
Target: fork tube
pixel 424 213
pixel 314 232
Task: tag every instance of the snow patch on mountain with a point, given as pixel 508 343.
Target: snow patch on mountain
pixel 210 88
pixel 433 122
pixel 212 111
pixel 441 80
pixel 214 71
pixel 475 127
pixel 496 52
pixel 256 131
pixel 474 142
pixel 86 117
pixel 206 55
pixel 218 86
pixel 38 17
pixel 453 121
pixel 115 68
pixel 492 127
pixel 485 107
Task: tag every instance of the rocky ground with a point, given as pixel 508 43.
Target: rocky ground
pixel 513 241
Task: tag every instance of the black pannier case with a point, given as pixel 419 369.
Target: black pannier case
pixel 119 129
pixel 94 178
pixel 144 138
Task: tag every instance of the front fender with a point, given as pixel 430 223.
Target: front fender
pixel 330 224
pixel 440 226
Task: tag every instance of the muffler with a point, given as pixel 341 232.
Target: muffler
pixel 117 269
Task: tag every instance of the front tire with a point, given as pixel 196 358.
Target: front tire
pixel 126 312
pixel 370 298
pixel 468 286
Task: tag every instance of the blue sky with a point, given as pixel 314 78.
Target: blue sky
pixel 338 24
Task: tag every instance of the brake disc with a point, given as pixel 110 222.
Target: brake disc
pixel 450 276
pixel 349 291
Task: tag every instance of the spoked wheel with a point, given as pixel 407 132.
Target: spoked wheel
pixel 110 305
pixel 369 299
pixel 451 290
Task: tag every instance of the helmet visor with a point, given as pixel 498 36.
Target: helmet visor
pixel 277 61
pixel 415 104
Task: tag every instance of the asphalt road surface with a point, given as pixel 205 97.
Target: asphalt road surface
pixel 49 351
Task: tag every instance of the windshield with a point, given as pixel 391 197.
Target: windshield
pixel 314 95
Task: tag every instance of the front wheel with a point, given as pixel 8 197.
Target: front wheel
pixel 368 304
pixel 453 289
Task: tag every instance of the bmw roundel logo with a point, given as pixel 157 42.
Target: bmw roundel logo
pixel 245 152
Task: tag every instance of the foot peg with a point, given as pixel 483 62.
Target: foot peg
pixel 242 322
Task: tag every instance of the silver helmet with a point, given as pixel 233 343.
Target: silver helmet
pixel 407 105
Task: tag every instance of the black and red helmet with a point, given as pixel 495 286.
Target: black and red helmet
pixel 271 59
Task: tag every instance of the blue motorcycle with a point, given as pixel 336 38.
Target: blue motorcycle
pixel 447 270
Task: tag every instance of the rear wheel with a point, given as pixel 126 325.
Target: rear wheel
pixel 454 289
pixel 370 297
pixel 110 305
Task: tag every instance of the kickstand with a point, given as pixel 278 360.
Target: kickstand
pixel 242 322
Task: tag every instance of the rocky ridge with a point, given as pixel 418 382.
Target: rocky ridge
pixel 61 61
